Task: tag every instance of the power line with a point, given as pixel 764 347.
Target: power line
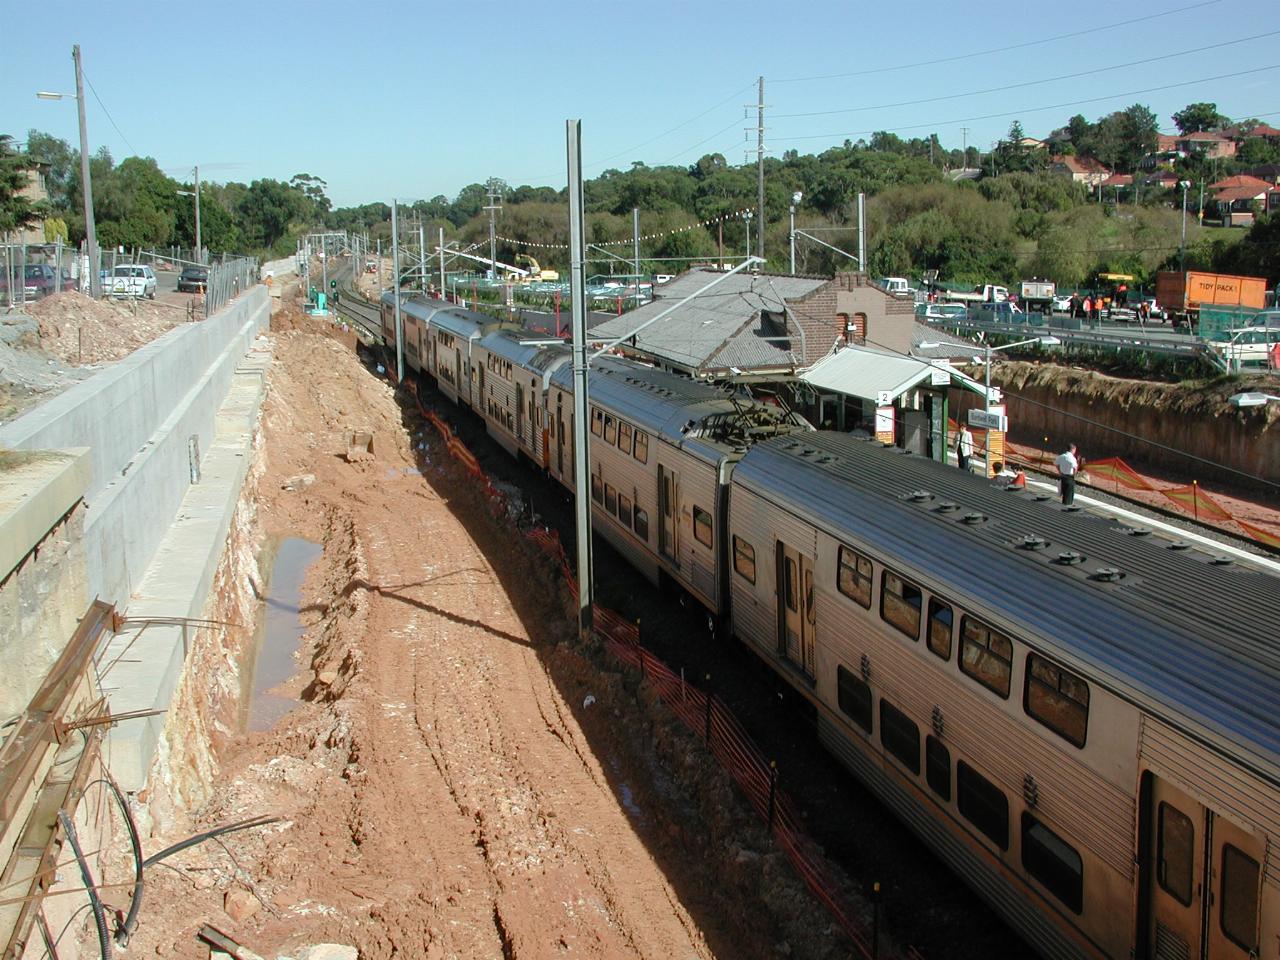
pixel 1030 83
pixel 131 147
pixel 915 65
pixel 933 124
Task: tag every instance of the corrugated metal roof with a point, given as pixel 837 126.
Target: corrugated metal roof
pixel 694 333
pixel 865 372
pixel 1191 637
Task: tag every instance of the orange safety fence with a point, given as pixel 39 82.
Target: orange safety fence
pixel 1118 472
pixel 1198 503
pixel 707 717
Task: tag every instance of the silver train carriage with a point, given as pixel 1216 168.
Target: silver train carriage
pixel 438 340
pixel 513 370
pixel 1079 716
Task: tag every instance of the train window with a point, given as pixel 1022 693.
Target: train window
pixel 1058 699
pixel 900 735
pixel 642 446
pixel 624 437
pixel 854 697
pixel 624 510
pixel 702 526
pixel 789 582
pixel 640 523
pixel 597 422
pixel 610 498
pixel 900 604
pixel 986 655
pixel 610 430
pixel 1175 853
pixel 1239 915
pixel 940 619
pixel 937 766
pixel 744 559
pixel 597 488
pixel 1053 861
pixel 983 804
pixel 854 576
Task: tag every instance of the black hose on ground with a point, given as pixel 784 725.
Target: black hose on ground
pixel 125 930
pixel 201 837
pixel 99 915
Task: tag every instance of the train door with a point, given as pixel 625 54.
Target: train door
pixel 669 509
pixel 797 607
pixel 1203 878
pixel 560 434
pixel 519 411
pixel 458 383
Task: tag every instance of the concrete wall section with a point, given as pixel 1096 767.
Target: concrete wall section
pixel 137 417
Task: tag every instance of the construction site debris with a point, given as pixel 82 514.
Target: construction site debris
pixel 359 447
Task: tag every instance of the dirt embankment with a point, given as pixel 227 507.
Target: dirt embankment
pixel 444 787
pixel 80 330
pixel 1152 425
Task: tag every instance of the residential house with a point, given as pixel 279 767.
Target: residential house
pixel 1269 172
pixel 1161 180
pixel 1260 130
pixel 1205 143
pixel 1081 169
pixel 1237 199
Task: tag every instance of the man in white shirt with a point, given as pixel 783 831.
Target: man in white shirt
pixel 1068 466
pixel 964 447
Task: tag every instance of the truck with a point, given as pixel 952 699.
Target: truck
pixel 895 286
pixel 1037 296
pixel 1182 295
pixel 982 293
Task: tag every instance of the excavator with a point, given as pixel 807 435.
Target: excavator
pixel 535 271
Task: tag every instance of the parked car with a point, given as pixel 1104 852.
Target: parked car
pixel 941 312
pixel 193 279
pixel 38 280
pixel 999 312
pixel 1062 303
pixel 1253 344
pixel 132 280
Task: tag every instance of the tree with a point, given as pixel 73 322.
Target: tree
pixel 16 209
pixel 1199 117
pixel 267 210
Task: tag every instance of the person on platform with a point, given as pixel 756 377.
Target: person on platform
pixel 1068 464
pixel 964 447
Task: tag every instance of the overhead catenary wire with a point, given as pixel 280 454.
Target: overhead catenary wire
pixel 131 147
pixel 934 124
pixel 1029 83
pixel 1109 27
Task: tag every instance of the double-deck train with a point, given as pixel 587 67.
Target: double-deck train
pixel 1077 713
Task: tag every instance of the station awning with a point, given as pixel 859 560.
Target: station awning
pixel 879 374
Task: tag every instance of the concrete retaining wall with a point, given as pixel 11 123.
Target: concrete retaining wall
pixel 137 417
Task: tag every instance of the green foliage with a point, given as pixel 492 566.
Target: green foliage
pixel 55 229
pixel 16 211
pixel 1197 117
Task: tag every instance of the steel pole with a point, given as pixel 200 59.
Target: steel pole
pixel 1182 248
pixel 199 244
pixel 395 280
pixel 577 290
pixel 793 239
pixel 635 247
pixel 862 232
pixel 90 228
pixel 442 296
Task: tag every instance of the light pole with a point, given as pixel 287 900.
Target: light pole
pixel 747 217
pixel 90 229
pixel 795 202
pixel 1182 249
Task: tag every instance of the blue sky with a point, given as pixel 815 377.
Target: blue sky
pixel 419 99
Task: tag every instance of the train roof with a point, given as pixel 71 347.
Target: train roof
pixel 445 315
pixel 520 347
pixel 1191 635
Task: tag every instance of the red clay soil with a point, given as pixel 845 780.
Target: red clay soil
pixel 443 789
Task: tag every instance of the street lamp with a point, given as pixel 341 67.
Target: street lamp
pixel 795 202
pixel 90 229
pixel 1182 250
pixel 1252 399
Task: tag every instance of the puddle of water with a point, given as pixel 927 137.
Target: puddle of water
pixel 279 632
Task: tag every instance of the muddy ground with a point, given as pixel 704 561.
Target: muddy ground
pixel 443 788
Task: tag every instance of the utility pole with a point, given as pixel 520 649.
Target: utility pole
pixel 422 256
pixel 635 248
pixel 493 208
pixel 379 269
pixel 395 269
pixel 964 152
pixel 760 172
pixel 441 245
pixel 862 232
pixel 199 244
pixel 90 228
pixel 577 291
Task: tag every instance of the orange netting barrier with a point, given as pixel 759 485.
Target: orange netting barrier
pixel 1118 472
pixel 702 713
